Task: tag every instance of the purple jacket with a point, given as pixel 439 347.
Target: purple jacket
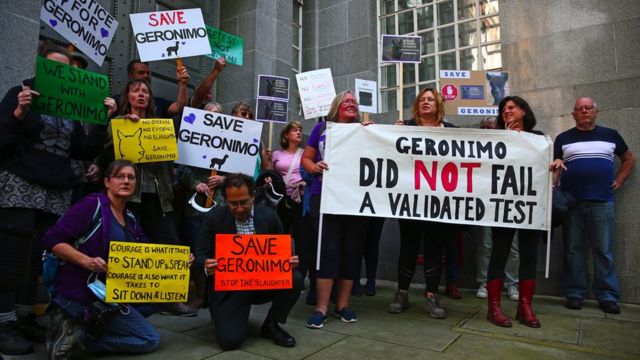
pixel 71 281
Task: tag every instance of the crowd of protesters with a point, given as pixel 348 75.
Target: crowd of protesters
pixel 149 203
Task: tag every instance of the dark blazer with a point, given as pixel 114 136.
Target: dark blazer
pixel 221 221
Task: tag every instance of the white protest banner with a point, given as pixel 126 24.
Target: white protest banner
pixel 218 141
pixel 462 176
pixel 170 34
pixel 85 24
pixel 316 92
pixel 367 95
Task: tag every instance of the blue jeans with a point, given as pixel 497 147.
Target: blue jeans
pixel 130 333
pixel 590 222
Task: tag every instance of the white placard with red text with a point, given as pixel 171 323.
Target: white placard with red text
pixel 316 92
pixel 462 176
pixel 162 35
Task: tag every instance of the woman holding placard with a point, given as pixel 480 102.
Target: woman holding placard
pixel 81 318
pixel 36 179
pixel 342 238
pixel 152 202
pixel 428 111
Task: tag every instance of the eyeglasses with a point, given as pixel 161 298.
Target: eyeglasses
pixel 243 203
pixel 246 114
pixel 122 177
pixel 350 102
pixel 584 108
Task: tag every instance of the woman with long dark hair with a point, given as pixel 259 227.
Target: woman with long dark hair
pixel 514 113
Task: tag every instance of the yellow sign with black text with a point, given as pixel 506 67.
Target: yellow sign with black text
pixel 147 273
pixel 148 140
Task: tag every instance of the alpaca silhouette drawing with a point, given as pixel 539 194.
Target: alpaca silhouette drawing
pixel 173 49
pixel 130 142
pixel 218 162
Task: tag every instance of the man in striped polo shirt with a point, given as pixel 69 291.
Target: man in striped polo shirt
pixel 588 153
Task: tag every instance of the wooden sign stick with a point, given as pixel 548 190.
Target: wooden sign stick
pixel 180 64
pixel 209 202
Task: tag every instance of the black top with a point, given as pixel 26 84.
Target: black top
pixel 43 157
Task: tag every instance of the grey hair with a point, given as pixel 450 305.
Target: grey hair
pixel 214 103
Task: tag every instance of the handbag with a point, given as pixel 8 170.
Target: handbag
pixel 298 188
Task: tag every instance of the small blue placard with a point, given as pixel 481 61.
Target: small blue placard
pixel 472 92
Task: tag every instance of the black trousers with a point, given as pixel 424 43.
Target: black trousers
pixel 528 248
pixel 21 232
pixel 158 226
pixel 373 232
pixel 230 310
pixel 290 213
pixel 433 236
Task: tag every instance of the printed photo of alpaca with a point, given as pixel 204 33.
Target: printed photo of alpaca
pixel 273 87
pixel 498 83
pixel 271 110
pixel 400 48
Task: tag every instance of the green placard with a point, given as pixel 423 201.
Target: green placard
pixel 70 92
pixel 224 44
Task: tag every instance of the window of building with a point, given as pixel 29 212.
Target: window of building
pixel 456 35
pixel 296 61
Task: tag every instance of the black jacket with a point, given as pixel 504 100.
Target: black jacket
pixel 23 149
pixel 221 221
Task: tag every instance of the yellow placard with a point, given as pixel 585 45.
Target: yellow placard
pixel 148 140
pixel 147 273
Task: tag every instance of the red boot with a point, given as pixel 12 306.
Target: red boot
pixel 525 313
pixel 495 314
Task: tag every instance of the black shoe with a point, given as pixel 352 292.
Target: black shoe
pixel 271 330
pixel 63 342
pixel 573 304
pixel 12 342
pixel 610 307
pixel 179 309
pixel 31 329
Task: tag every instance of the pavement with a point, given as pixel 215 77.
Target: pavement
pixel 465 333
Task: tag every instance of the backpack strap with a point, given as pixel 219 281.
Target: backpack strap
pixel 96 223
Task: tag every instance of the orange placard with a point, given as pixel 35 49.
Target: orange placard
pixel 253 262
